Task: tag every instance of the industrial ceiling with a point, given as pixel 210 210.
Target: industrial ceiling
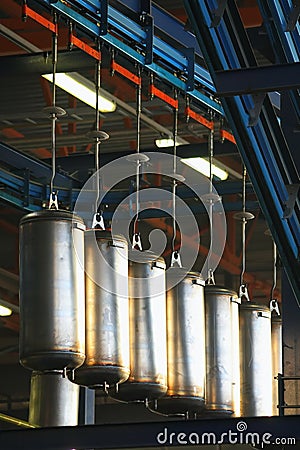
pixel 25 140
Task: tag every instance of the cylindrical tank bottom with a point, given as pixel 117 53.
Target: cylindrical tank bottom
pixel 98 376
pixel 52 309
pixel 256 360
pixel 185 344
pixel 219 350
pixel 147 325
pixel 175 405
pixel 61 360
pixel 54 400
pixel 107 314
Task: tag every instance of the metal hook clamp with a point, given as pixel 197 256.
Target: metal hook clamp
pixel 274 306
pixel 136 242
pixel 98 221
pixel 53 201
pixel 243 293
pixel 176 259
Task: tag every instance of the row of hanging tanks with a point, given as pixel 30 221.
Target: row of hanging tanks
pixel 178 351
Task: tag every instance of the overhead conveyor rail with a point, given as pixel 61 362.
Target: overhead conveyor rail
pixel 174 66
pixel 261 143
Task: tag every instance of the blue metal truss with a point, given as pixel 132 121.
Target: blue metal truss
pixel 286 44
pixel 261 143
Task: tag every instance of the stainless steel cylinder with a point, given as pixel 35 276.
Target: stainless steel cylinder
pixel 276 339
pixel 219 350
pixel 107 314
pixel 256 360
pixel 235 339
pixel 54 400
pixel 185 347
pixel 51 290
pixel 148 344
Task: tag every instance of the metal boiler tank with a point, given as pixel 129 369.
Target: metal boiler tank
pixel 54 400
pixel 276 339
pixel 148 346
pixel 219 349
pixel 107 312
pixel 255 360
pixel 235 337
pixel 51 290
pixel 185 345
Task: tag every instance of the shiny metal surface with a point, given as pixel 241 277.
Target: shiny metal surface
pixel 107 313
pixel 51 290
pixel 235 337
pixel 276 339
pixel 219 350
pixel 186 347
pixel 148 345
pixel 54 400
pixel 256 360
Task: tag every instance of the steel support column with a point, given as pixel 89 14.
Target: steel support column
pixel 263 147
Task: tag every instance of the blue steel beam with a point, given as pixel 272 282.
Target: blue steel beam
pixel 167 24
pixel 257 79
pixel 262 147
pixel 86 162
pixel 38 169
pixel 30 195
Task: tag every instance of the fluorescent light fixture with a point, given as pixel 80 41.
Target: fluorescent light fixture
pixel 4 311
pixel 169 142
pixel 203 166
pixel 81 88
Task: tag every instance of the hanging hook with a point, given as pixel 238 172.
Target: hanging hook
pixel 54 112
pixel 274 306
pixel 274 272
pixel 244 216
pixel 136 238
pixel 211 199
pixel 99 136
pixel 175 256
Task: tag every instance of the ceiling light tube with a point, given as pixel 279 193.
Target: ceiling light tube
pixel 81 88
pixel 4 311
pixel 169 142
pixel 202 165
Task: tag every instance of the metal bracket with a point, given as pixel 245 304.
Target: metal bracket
pixel 211 278
pixel 294 16
pixel 53 201
pixel 274 307
pixel 254 113
pixel 147 24
pixel 218 13
pixel 98 221
pixel 292 190
pixel 176 259
pixel 243 292
pixel 136 242
pixel 104 17
pixel 189 53
pixel 26 177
